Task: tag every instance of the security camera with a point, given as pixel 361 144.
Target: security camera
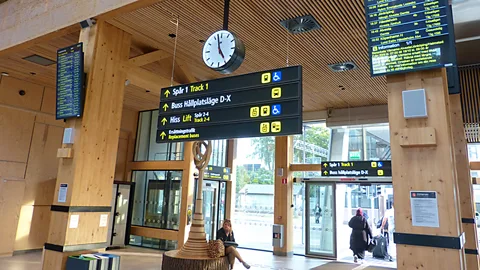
pixel 88 23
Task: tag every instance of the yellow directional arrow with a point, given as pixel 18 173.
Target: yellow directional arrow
pixel 163 135
pixel 164 120
pixel 325 172
pixel 165 107
pixel 167 93
pixel 325 165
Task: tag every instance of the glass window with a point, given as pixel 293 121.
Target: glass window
pixel 360 143
pixel 154 243
pixel 157 199
pixel 219 153
pixel 147 149
pixel 253 217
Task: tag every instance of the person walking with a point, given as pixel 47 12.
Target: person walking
pixel 361 233
pixel 318 214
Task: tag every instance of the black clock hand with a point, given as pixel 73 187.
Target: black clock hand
pixel 220 50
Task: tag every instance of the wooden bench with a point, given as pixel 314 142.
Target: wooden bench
pixel 173 261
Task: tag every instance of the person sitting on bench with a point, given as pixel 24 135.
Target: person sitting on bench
pixel 226 235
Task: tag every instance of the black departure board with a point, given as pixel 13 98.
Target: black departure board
pixel 267 103
pixel 381 168
pixel 409 35
pixel 70 82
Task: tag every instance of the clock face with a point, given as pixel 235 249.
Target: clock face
pixel 219 49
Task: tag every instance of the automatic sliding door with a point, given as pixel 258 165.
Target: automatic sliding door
pixel 320 219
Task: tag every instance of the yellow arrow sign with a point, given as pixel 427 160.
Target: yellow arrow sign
pixel 325 165
pixel 163 135
pixel 325 172
pixel 167 93
pixel 164 120
pixel 165 107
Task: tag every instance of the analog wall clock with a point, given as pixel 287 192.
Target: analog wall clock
pixel 223 52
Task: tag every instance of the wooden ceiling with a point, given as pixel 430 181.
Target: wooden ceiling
pixel 341 38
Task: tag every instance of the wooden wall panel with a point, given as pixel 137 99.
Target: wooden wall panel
pixel 17 128
pixel 12 170
pixel 42 165
pixel 122 152
pixel 88 230
pixel 49 101
pixel 11 194
pixel 32 228
pixel 9 93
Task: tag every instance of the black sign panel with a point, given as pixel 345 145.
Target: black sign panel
pixel 69 94
pixel 216 173
pixel 357 168
pixel 409 35
pixel 267 103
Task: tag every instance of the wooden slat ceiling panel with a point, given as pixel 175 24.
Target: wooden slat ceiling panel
pixel 341 38
pixel 470 87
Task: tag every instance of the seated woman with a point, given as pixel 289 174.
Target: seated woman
pixel 226 234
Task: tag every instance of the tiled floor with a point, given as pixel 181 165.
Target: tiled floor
pixel 146 259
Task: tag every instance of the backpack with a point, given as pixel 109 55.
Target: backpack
pixel 379 224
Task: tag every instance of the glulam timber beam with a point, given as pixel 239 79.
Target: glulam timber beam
pixel 28 22
pixel 148 58
pixel 146 79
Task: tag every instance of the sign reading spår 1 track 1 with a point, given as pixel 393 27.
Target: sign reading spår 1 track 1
pixel 267 103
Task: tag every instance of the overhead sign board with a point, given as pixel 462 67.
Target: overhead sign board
pixel 409 35
pixel 357 169
pixel 217 173
pixel 69 94
pixel 267 103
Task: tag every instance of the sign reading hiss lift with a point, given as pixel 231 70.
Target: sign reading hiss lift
pixel 357 168
pixel 409 35
pixel 267 103
pixel 69 94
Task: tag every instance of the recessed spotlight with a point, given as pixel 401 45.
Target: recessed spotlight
pixel 148 91
pixel 5 74
pixel 172 35
pixel 340 67
pixel 201 41
pixel 33 73
pixel 341 87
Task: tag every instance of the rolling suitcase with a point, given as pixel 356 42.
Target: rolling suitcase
pixel 380 250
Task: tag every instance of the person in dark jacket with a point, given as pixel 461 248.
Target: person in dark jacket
pixel 226 234
pixel 360 235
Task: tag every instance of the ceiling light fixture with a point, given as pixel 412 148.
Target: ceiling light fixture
pixel 300 24
pixel 5 74
pixel 340 67
pixel 39 60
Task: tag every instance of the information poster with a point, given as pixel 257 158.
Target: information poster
pixel 424 206
pixel 409 35
pixel 62 193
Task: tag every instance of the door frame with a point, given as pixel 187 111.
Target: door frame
pixel 333 181
pixel 307 221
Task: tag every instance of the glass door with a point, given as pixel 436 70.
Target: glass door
pixel 210 190
pixel 320 220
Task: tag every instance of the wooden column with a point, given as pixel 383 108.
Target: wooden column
pixel 232 184
pixel 423 160
pixel 283 211
pixel 465 188
pixel 89 174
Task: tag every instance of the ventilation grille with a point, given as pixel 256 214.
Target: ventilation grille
pixel 40 60
pixel 302 24
pixel 340 67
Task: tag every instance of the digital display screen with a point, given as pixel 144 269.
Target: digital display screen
pixel 267 103
pixel 409 35
pixel 69 92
